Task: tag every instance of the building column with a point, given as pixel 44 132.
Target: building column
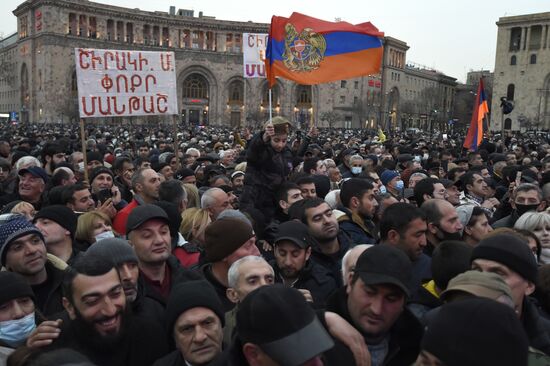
pixel 221 45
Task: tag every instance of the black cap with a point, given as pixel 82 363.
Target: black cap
pixel 280 321
pixel 13 286
pixel 293 231
pixel 183 173
pixel 384 264
pixel 144 213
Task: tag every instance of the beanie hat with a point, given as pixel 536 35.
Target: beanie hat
pixel 94 156
pixel 118 251
pixel 225 236
pixel 477 332
pixel 189 295
pixel 100 170
pixel 279 320
pixel 509 251
pixel 15 228
pixel 13 286
pixel 387 176
pixel 60 214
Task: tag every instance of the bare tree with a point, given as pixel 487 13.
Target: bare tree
pixel 330 117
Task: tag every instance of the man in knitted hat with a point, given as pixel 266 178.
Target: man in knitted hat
pixel 226 241
pixel 22 250
pixel 474 332
pixel 58 226
pixel 195 318
pixel 511 258
pixel 374 303
pixel 17 313
pixel 148 232
pixel 94 159
pixel 121 253
pixel 393 183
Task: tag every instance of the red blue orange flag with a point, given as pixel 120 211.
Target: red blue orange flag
pixel 313 51
pixel 481 108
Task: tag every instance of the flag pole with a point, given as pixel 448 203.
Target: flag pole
pixel 270 108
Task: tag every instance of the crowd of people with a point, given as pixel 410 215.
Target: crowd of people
pixel 279 246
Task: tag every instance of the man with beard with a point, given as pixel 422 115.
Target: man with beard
pixel 121 253
pixel 443 223
pixel 101 327
pixel 331 243
pixel 52 155
pixel 358 199
pixel 292 264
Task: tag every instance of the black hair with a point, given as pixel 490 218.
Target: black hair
pixel 310 164
pixel 398 217
pixel 67 196
pixel 119 163
pixel 354 187
pixel 281 194
pixel 298 209
pixel 171 191
pixel 449 259
pixel 425 186
pixel 453 172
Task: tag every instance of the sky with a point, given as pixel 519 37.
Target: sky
pixel 453 37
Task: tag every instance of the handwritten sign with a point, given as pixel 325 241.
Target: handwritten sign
pixel 254 45
pixel 115 83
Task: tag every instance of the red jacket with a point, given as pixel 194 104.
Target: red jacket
pixel 119 223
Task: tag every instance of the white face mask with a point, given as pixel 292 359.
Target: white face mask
pixel 104 235
pixel 356 170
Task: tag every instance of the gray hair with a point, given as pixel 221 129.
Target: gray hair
pixel 358 247
pixel 532 220
pixel 418 174
pixel 234 272
pixel 234 214
pixel 526 187
pixel 193 150
pixel 208 199
pixel 356 157
pixel 27 162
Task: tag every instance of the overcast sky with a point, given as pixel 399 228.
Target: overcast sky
pixel 451 36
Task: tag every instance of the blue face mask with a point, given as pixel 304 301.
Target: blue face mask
pixel 355 170
pixel 382 189
pixel 104 235
pixel 399 185
pixel 15 332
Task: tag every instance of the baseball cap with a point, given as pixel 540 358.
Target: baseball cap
pixel 293 231
pixel 144 213
pixel 384 264
pixel 35 171
pixel 279 320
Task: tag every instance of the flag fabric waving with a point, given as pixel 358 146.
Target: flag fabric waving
pixel 481 108
pixel 313 51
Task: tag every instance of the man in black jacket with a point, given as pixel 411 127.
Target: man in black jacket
pixel 374 303
pixel 148 232
pixel 101 327
pixel 292 264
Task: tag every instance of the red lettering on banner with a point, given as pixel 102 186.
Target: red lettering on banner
pixel 107 83
pixel 142 61
pixel 136 82
pixel 86 112
pixel 115 104
pixel 147 78
pixel 118 65
pixel 99 104
pixel 123 77
pixel 134 104
pixel 105 61
pixel 151 106
pixel 166 66
pixel 163 98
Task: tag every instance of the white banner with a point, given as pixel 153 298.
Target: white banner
pixel 115 83
pixel 254 45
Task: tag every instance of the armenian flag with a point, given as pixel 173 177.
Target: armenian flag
pixel 481 108
pixel 313 51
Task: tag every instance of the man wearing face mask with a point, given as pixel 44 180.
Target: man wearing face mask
pixel 443 223
pixel 17 315
pixel 527 198
pixel 393 184
pixel 355 165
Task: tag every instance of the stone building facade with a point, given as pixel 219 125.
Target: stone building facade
pixel 211 88
pixel 522 72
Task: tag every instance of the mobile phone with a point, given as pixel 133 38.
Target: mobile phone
pixel 518 179
pixel 104 195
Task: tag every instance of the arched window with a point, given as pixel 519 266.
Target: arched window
pixel 533 59
pixel 510 91
pixel 195 86
pixel 236 91
pixel 507 124
pixel 513 60
pixel 274 96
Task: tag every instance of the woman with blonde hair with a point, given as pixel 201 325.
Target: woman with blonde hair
pixel 193 199
pixel 539 224
pixel 193 226
pixel 92 226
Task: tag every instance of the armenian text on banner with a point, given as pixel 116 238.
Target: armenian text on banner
pixel 254 45
pixel 116 83
pixel 313 51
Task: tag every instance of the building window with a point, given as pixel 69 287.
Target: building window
pixel 236 91
pixel 110 29
pixel 342 99
pixel 93 27
pixel 129 33
pixel 507 124
pixel 510 92
pixel 343 84
pixel 195 86
pixel 304 95
pixel 23 27
pixel 355 100
pixel 533 59
pixel 72 24
pixel 515 39
pixel 82 26
pixel 535 37
pixel 146 34
pixel 356 85
pixel 513 60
